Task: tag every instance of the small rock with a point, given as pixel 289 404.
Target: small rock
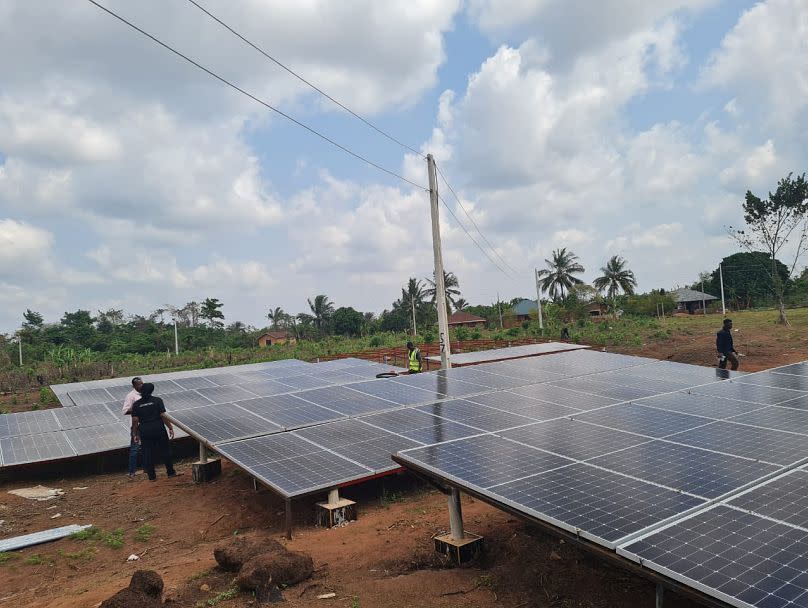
pixel 133 558
pixel 326 596
pixel 55 515
pixel 204 587
pixel 555 556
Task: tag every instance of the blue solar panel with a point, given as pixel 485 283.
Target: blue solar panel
pixel 642 420
pixel 346 401
pixel 797 383
pixel 776 417
pixel 749 393
pixel 562 396
pixel 288 411
pixel 223 422
pixel 699 472
pixel 28 423
pixel 699 405
pixel 523 406
pixel 784 498
pixel 473 414
pixel 420 426
pixel 394 392
pixel 441 385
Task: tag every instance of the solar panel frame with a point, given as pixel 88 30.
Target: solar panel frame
pixel 640 420
pixel 222 423
pixel 783 498
pixel 90 396
pixel 28 423
pixel 28 449
pixel 226 394
pixel 84 416
pixel 112 436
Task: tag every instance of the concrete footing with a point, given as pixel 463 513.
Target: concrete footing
pixel 460 551
pixel 337 513
pixel 206 471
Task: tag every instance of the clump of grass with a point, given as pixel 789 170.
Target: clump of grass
pixel 220 597
pixel 355 602
pixel 198 575
pixel 7 556
pixel 91 533
pixel 35 407
pixel 87 553
pixel 114 539
pixel 35 559
pixel 144 533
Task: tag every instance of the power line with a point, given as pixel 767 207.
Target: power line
pixel 257 99
pixel 459 223
pixel 303 80
pixel 471 219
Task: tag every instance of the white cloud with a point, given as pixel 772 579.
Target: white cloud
pixel 22 244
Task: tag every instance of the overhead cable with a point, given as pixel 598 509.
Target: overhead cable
pixel 303 80
pixel 257 99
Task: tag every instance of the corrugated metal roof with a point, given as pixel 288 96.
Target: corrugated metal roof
pixel 690 295
pixel 461 316
pixel 524 307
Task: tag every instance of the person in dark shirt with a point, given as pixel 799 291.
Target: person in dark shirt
pixel 149 424
pixel 725 347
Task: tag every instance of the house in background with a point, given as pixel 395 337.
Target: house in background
pixel 273 338
pixel 598 310
pixel 521 312
pixel 461 318
pixel 690 300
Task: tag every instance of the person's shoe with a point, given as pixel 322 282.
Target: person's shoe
pixel 174 474
pixel 152 478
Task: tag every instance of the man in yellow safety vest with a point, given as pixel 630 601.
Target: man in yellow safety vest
pixel 413 358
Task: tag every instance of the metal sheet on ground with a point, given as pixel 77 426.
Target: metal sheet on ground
pixel 683 468
pixel 223 422
pixel 102 438
pixel 739 558
pixel 767 445
pixel 35 448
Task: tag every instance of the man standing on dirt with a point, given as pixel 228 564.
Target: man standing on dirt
pixel 413 359
pixel 149 424
pixel 725 347
pixel 128 402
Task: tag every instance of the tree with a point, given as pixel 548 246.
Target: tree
pixel 772 223
pixel 347 321
pixel 558 278
pixel 78 327
pixel 278 317
pixel 190 313
pixel 321 311
pixel 33 320
pixel 615 278
pixel 210 311
pixel 412 299
pixel 452 286
pixel 747 278
pixel 461 303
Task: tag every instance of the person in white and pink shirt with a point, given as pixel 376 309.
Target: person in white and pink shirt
pixel 128 402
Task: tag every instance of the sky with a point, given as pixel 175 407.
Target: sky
pixel 130 179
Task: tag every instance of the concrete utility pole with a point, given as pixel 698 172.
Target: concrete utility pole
pixel 176 339
pixel 19 341
pixel 499 307
pixel 414 328
pixel 538 301
pixel 440 284
pixel 721 279
pixel 703 302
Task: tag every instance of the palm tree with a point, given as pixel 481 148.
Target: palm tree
pixel 558 276
pixel 615 278
pixel 452 286
pixel 412 299
pixel 460 304
pixel 321 311
pixel 277 316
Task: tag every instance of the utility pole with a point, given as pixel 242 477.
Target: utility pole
pixel 440 284
pixel 703 302
pixel 176 339
pixel 499 307
pixel 721 279
pixel 538 301
pixel 19 341
pixel 414 328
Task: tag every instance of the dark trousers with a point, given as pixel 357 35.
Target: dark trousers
pixel 733 361
pixel 156 446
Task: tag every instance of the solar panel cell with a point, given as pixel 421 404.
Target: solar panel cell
pixel 562 396
pixel 35 448
pixel 88 415
pixel 193 382
pixel 225 394
pixel 101 438
pixel 473 414
pixel 90 396
pixel 288 411
pixel 642 420
pixel 797 383
pixel 223 422
pixel 777 418
pixel 28 423
pixel 523 406
pixel 420 426
pixel 784 498
pixel 765 395
pixel 699 405
pixel 184 400
pixel 394 391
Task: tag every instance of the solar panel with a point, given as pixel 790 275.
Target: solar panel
pixel 798 369
pixel 484 378
pixel 740 558
pixel 28 423
pixel 101 438
pixel 777 418
pixel 288 411
pixel 394 391
pixel 797 383
pixel 119 393
pixel 485 460
pixel 420 426
pixel 223 422
pixel 767 445
pixel 526 350
pixel 90 396
pixel 84 416
pixel 684 468
pixel 164 387
pixel 440 385
pixel 573 439
pixel 193 382
pixel 642 420
pixel 225 394
pixel 290 464
pixel 615 391
pixel 708 406
pixel 524 406
pixel 346 401
pixel 265 388
pixel 524 374
pixel 800 403
pixel 562 396
pixel 35 448
pixel 765 395
pixel 784 498
pixel 599 505
pixel 224 379
pixel 473 414
pixel 184 400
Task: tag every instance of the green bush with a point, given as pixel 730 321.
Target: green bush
pixel 375 341
pixel 476 334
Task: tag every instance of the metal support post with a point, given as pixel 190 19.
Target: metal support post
pixel 203 453
pixel 440 284
pixel 455 515
pixel 289 518
pixel 721 280
pixel 660 595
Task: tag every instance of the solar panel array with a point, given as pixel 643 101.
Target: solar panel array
pixel 697 477
pixel 511 352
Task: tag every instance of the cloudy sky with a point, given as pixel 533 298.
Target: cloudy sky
pixel 130 179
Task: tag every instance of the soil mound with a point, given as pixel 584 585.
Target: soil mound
pixel 234 553
pixel 281 569
pixel 144 591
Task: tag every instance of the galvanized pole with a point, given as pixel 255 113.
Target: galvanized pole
pixel 721 279
pixel 455 515
pixel 440 285
pixel 703 302
pixel 499 307
pixel 414 328
pixel 19 341
pixel 538 301
pixel 176 339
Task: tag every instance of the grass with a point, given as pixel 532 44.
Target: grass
pixel 220 597
pixel 114 539
pixel 144 533
pixel 35 559
pixel 355 602
pixel 85 554
pixel 7 556
pixel 389 497
pixel 91 533
pixel 198 575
